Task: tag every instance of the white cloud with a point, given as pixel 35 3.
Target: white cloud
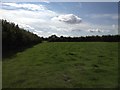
pixel 68 18
pixel 46 1
pixel 25 26
pixel 96 16
pixel 115 26
pixel 26 6
pixel 26 16
pixel 95 30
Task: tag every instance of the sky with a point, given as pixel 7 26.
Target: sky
pixel 60 0
pixel 63 18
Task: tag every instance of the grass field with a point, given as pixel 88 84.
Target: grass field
pixel 0 74
pixel 63 65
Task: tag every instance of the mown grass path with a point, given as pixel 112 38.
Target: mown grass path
pixel 63 64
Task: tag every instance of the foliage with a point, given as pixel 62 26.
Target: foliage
pixel 15 38
pixel 104 38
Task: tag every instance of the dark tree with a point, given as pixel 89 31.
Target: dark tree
pixel 104 38
pixel 15 38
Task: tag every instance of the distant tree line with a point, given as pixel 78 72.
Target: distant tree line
pixel 15 38
pixel 104 38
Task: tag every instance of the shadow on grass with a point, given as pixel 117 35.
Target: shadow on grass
pixel 12 52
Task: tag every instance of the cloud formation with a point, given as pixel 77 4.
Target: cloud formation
pixel 26 6
pixel 101 16
pixel 95 30
pixel 42 21
pixel 68 18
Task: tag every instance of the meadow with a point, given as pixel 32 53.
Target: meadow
pixel 63 65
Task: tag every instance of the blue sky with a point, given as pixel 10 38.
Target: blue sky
pixel 85 9
pixel 63 18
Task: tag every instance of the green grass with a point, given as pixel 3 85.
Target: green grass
pixel 63 65
pixel 0 74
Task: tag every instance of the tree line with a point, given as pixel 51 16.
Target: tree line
pixel 16 38
pixel 104 38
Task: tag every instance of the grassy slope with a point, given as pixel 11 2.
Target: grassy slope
pixel 69 64
pixel 0 74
